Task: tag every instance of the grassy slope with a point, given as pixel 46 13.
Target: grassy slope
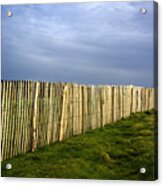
pixel 117 151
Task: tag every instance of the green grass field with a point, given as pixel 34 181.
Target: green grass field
pixel 117 151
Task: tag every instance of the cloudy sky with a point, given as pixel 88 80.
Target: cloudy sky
pixel 87 43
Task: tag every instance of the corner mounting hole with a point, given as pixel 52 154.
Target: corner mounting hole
pixel 9 13
pixel 8 166
pixel 143 10
pixel 143 170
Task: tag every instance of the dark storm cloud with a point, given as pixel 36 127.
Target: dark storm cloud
pixel 90 43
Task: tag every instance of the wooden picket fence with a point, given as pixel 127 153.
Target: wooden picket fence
pixel 35 114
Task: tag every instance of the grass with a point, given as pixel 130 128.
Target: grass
pixel 117 151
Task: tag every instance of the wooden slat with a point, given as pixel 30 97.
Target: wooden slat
pixel 34 124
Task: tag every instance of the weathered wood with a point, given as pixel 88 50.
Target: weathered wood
pixel 63 122
pixel 9 120
pixel 34 124
pixel 50 115
pixel 80 109
pixel 114 102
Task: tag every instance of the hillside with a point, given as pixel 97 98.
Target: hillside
pixel 117 151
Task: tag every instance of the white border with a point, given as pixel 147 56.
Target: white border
pixel 68 182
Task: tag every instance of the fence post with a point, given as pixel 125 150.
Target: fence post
pixel 63 122
pixel 34 118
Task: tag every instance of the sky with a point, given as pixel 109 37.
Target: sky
pixel 87 43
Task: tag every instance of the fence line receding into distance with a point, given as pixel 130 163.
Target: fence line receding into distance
pixel 35 114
